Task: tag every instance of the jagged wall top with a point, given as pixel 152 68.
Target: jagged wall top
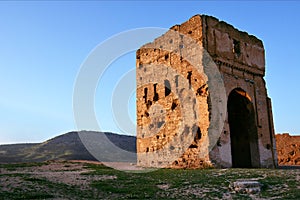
pixel 224 43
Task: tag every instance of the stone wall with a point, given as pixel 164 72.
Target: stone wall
pixel 240 58
pixel 288 149
pixel 178 97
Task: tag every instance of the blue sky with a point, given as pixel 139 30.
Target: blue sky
pixel 43 44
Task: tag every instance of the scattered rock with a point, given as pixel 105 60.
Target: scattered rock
pixel 246 186
pixel 163 186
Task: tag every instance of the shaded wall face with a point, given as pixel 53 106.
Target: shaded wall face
pixel 226 43
pixel 241 61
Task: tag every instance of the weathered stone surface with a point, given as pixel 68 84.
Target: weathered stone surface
pixel 288 149
pixel 245 186
pixel 179 97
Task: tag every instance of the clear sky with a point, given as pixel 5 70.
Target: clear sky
pixel 43 44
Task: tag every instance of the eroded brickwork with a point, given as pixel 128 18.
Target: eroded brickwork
pixel 174 99
pixel 288 148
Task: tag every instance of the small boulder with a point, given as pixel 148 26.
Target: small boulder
pixel 246 186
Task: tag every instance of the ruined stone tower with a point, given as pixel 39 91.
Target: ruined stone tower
pixel 202 99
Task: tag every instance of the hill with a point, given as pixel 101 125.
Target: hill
pixel 68 146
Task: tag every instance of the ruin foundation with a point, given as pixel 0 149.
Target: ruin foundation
pixel 288 149
pixel 202 99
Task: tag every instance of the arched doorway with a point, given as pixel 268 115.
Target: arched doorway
pixel 243 130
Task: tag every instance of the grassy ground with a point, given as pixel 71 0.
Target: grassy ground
pixel 66 180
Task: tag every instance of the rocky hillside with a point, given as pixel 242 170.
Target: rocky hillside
pixel 288 149
pixel 64 147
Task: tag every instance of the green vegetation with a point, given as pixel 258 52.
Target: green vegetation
pixel 105 183
pixel 13 167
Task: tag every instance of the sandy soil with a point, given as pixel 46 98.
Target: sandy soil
pixel 55 171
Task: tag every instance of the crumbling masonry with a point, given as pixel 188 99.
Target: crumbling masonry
pixel 186 116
